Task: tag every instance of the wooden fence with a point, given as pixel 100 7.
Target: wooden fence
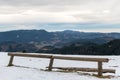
pixel 100 69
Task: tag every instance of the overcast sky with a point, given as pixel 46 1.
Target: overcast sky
pixel 81 15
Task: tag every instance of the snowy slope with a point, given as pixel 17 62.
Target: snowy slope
pixel 30 69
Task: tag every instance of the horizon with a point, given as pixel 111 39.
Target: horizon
pixel 52 27
pixel 57 31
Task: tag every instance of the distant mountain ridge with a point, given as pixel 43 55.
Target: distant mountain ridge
pixel 35 40
pixel 25 36
pixel 43 35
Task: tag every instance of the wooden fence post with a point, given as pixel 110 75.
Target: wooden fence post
pixel 51 63
pixel 99 68
pixel 11 60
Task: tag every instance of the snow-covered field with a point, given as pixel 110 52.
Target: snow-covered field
pixel 33 69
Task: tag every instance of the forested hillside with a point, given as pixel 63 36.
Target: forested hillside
pixel 62 42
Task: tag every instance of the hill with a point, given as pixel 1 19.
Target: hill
pixel 44 41
pixel 42 35
pixel 89 48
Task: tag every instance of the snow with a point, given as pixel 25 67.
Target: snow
pixel 33 69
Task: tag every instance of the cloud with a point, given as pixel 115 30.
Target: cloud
pixel 59 11
pixel 22 12
pixel 43 2
pixel 36 17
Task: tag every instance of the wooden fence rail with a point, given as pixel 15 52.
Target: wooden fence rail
pixel 100 69
pixel 82 58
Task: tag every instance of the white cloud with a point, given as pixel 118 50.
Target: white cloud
pixel 17 12
pixel 36 17
pixel 59 11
